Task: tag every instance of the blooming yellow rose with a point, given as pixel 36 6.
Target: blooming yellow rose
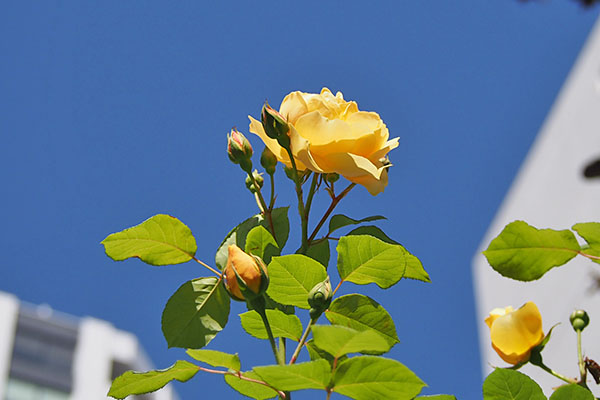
pixel 515 333
pixel 328 134
pixel 247 268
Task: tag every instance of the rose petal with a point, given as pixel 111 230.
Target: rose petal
pixel 293 106
pixel 319 130
pixel 514 334
pixel 374 186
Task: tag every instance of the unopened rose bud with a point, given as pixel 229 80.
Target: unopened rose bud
pixel 332 177
pixel 245 275
pixel 239 150
pixel 268 161
pixel 257 178
pixel 319 298
pixel 579 320
pixel 275 125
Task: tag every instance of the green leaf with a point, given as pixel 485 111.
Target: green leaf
pixel 364 259
pixel 505 384
pixel 251 389
pixel 282 325
pixel 525 253
pixel 338 340
pixel 437 397
pixel 261 243
pixel 319 251
pixel 216 358
pixel 239 234
pixel 194 315
pixel 339 221
pixel 316 353
pixel 590 231
pixel 414 268
pixel 374 378
pixel 159 240
pixel 362 313
pixel 292 277
pixel 138 383
pixel 572 392
pixel 308 375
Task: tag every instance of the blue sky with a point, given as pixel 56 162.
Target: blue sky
pixel 114 111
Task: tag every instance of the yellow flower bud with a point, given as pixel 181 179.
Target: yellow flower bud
pixel 249 269
pixel 515 333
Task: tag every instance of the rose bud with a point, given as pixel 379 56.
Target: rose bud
pixel 245 275
pixel 319 298
pixel 239 150
pixel 275 125
pixel 579 320
pixel 515 333
pixel 257 178
pixel 268 161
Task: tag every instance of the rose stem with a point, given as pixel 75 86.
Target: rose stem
pixel 300 202
pixel 239 375
pixel 311 194
pixel 263 315
pixel 556 374
pixel 263 205
pixel 334 202
pixel 302 340
pixel 206 265
pixel 582 370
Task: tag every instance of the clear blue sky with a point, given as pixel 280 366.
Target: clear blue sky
pixel 111 112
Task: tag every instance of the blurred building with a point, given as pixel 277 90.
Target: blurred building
pixel 46 355
pixel 557 186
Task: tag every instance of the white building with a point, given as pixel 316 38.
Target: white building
pixel 45 355
pixel 552 191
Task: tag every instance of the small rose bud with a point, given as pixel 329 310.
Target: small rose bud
pixel 239 150
pixel 268 161
pixel 275 125
pixel 319 298
pixel 257 178
pixel 332 177
pixel 579 320
pixel 245 275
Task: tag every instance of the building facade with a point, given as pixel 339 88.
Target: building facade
pixel 557 186
pixel 46 355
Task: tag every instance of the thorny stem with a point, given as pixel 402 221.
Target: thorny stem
pixel 206 265
pixel 302 340
pixel 334 202
pixel 239 375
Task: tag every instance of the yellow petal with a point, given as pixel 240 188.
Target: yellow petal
pixel 319 130
pixel 374 186
pixel 495 313
pixel 293 106
pixel 516 333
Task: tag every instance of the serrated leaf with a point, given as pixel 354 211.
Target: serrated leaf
pixel 282 325
pixel 239 234
pixel 144 382
pixel 505 384
pixel 414 267
pixel 194 315
pixel 338 340
pixel 319 251
pixel 376 378
pixel 437 397
pixel 261 243
pixel 525 253
pixel 316 353
pixel 216 358
pixel 572 392
pixel 250 389
pixel 308 375
pixel 339 221
pixel 364 259
pixel 590 231
pixel 159 240
pixel 362 313
pixel 291 277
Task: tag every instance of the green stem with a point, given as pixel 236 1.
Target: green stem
pixel 303 220
pixel 263 315
pixel 582 369
pixel 272 200
pixel 311 194
pixel 334 202
pixel 556 374
pixel 302 340
pixel 263 204
pixel 239 375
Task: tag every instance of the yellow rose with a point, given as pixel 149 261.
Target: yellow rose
pixel 515 333
pixel 328 134
pixel 247 268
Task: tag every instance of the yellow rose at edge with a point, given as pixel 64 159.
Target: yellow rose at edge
pixel 329 134
pixel 515 332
